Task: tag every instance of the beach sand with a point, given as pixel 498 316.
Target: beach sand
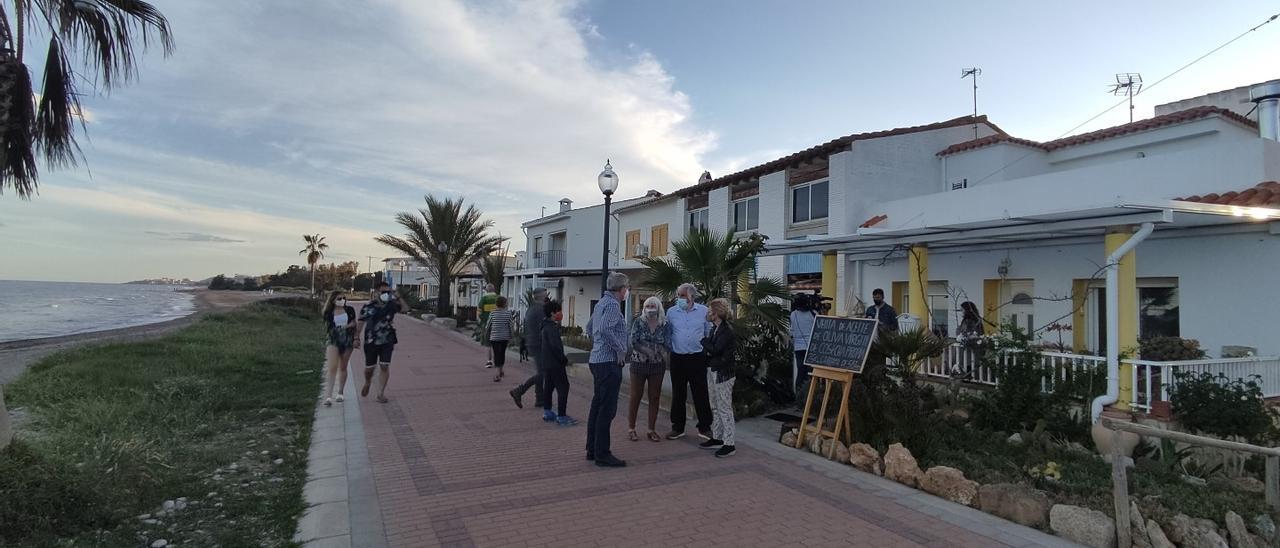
pixel 16 356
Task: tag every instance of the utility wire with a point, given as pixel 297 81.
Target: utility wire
pixel 1144 89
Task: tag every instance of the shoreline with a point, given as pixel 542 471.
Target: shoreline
pixel 17 356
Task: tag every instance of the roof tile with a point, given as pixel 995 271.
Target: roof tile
pixel 1261 195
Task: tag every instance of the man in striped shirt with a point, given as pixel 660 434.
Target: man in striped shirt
pixel 609 341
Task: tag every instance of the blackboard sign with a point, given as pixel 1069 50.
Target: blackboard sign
pixel 840 343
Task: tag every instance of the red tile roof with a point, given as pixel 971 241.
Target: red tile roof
pixel 874 221
pixel 1261 195
pixel 830 147
pixel 1106 133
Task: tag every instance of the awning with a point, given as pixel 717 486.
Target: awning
pixel 1029 227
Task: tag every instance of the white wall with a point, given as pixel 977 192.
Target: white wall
pixel 718 210
pixel 644 218
pixel 1225 282
pixel 773 221
pixel 584 230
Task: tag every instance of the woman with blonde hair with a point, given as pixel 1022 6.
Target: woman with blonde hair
pixel 649 355
pixel 340 342
pixel 720 348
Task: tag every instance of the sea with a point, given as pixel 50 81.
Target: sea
pixel 37 310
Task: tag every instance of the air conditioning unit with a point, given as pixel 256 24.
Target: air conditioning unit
pixel 641 251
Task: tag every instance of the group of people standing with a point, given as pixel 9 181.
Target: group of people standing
pixel 694 341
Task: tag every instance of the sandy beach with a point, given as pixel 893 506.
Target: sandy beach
pixel 16 356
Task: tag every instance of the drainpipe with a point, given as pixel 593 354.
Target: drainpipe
pixel 1113 320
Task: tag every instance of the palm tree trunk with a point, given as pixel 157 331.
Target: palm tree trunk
pixel 442 301
pixel 313 279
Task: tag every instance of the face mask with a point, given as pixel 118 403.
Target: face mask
pixel 557 316
pixel 340 303
pixel 385 297
pixel 651 313
pixel 682 303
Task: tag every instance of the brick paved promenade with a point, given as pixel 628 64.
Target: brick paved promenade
pixel 457 464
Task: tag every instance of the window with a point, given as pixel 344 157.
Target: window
pixel 658 241
pixel 939 305
pixel 633 240
pixel 746 214
pixel 1158 314
pixel 537 245
pixel 809 202
pixel 699 219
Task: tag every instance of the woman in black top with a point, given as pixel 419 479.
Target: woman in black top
pixel 340 341
pixel 720 348
pixel 553 361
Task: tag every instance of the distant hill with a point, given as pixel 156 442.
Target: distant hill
pixel 163 281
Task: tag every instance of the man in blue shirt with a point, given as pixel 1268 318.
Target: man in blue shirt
pixel 688 321
pixel 609 341
pixel 886 317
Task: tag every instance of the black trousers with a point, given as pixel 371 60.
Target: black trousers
pixel 499 352
pixel 535 382
pixel 557 379
pixel 689 372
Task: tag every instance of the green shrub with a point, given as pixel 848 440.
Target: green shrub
pixel 1167 349
pixel 1218 405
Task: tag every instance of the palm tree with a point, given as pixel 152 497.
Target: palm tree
pixel 446 236
pixel 90 41
pixel 314 252
pixel 493 268
pixel 721 266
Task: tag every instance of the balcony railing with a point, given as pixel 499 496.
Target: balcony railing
pixel 1151 380
pixel 549 259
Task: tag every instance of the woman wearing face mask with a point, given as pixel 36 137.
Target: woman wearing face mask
pixel 340 341
pixel 720 347
pixel 554 362
pixel 650 352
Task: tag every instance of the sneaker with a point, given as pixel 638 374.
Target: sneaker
pixel 338 398
pixel 488 365
pixel 548 415
pixel 711 444
pixel 328 402
pixel 705 434
pixel 610 462
pixel 566 420
pixel 516 397
pixel 725 451
pixel 674 435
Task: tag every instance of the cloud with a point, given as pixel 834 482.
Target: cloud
pixel 193 237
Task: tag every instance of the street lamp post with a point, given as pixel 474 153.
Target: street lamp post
pixel 608 181
pixel 401 263
pixel 442 299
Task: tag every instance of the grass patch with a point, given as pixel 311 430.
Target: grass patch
pixel 203 414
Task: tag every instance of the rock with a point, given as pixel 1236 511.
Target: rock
pixel 1248 484
pixel 815 445
pixel 447 323
pixel 151 521
pixel 211 494
pixel 1078 447
pixel 1264 527
pixel 901 467
pixel 1016 439
pixel 959 413
pixel 160 543
pixel 1082 525
pixel 1155 535
pixel 280 461
pixel 1138 527
pixel 842 453
pixel 1202 537
pixel 180 504
pixel 833 449
pixel 1017 503
pixel 428 317
pixel 266 452
pixel 1194 533
pixel 1238 532
pixel 1177 527
pixel 950 484
pixel 865 457
pixel 168 505
pixel 145 516
pixel 789 439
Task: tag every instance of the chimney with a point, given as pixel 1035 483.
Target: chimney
pixel 565 205
pixel 705 178
pixel 1267 96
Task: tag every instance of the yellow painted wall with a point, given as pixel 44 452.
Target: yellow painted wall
pixel 991 306
pixel 829 285
pixel 918 283
pixel 1127 291
pixel 1079 299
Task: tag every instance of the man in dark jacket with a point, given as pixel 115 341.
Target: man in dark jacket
pixel 533 319
pixel 552 365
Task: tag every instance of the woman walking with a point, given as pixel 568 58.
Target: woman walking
pixel 648 358
pixel 554 362
pixel 340 341
pixel 501 322
pixel 720 347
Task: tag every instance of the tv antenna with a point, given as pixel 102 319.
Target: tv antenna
pixel 1128 84
pixel 974 72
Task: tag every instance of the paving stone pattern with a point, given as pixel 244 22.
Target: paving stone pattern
pixel 455 463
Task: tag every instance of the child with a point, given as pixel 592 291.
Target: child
pixel 555 362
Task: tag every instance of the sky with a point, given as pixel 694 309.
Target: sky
pixel 276 119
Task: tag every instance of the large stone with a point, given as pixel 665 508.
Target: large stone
pixel 1176 528
pixel 789 439
pixel 1238 532
pixel 1202 537
pixel 950 484
pixel 1156 536
pixel 447 323
pixel 1017 503
pixel 1180 528
pixel 1249 484
pixel 1137 527
pixel 865 457
pixel 901 466
pixel 1088 527
pixel 1265 527
pixel 840 453
pixel 6 431
pixel 815 445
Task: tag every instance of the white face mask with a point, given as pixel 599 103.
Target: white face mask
pixel 386 297
pixel 340 303
pixel 651 313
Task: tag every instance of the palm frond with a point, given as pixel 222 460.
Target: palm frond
pixel 17 128
pixel 58 110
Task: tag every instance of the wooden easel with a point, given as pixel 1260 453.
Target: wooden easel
pixel 842 417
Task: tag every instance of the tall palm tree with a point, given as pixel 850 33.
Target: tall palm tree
pixel 446 236
pixel 493 268
pixel 721 266
pixel 90 41
pixel 314 252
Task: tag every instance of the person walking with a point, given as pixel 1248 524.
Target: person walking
pixel 555 366
pixel 650 352
pixel 688 321
pixel 802 318
pixel 608 330
pixel 380 340
pixel 488 303
pixel 340 328
pixel 501 321
pixel 720 348
pixel 533 319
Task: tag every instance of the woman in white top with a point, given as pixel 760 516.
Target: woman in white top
pixel 340 342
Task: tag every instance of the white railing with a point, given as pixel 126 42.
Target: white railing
pixel 1152 380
